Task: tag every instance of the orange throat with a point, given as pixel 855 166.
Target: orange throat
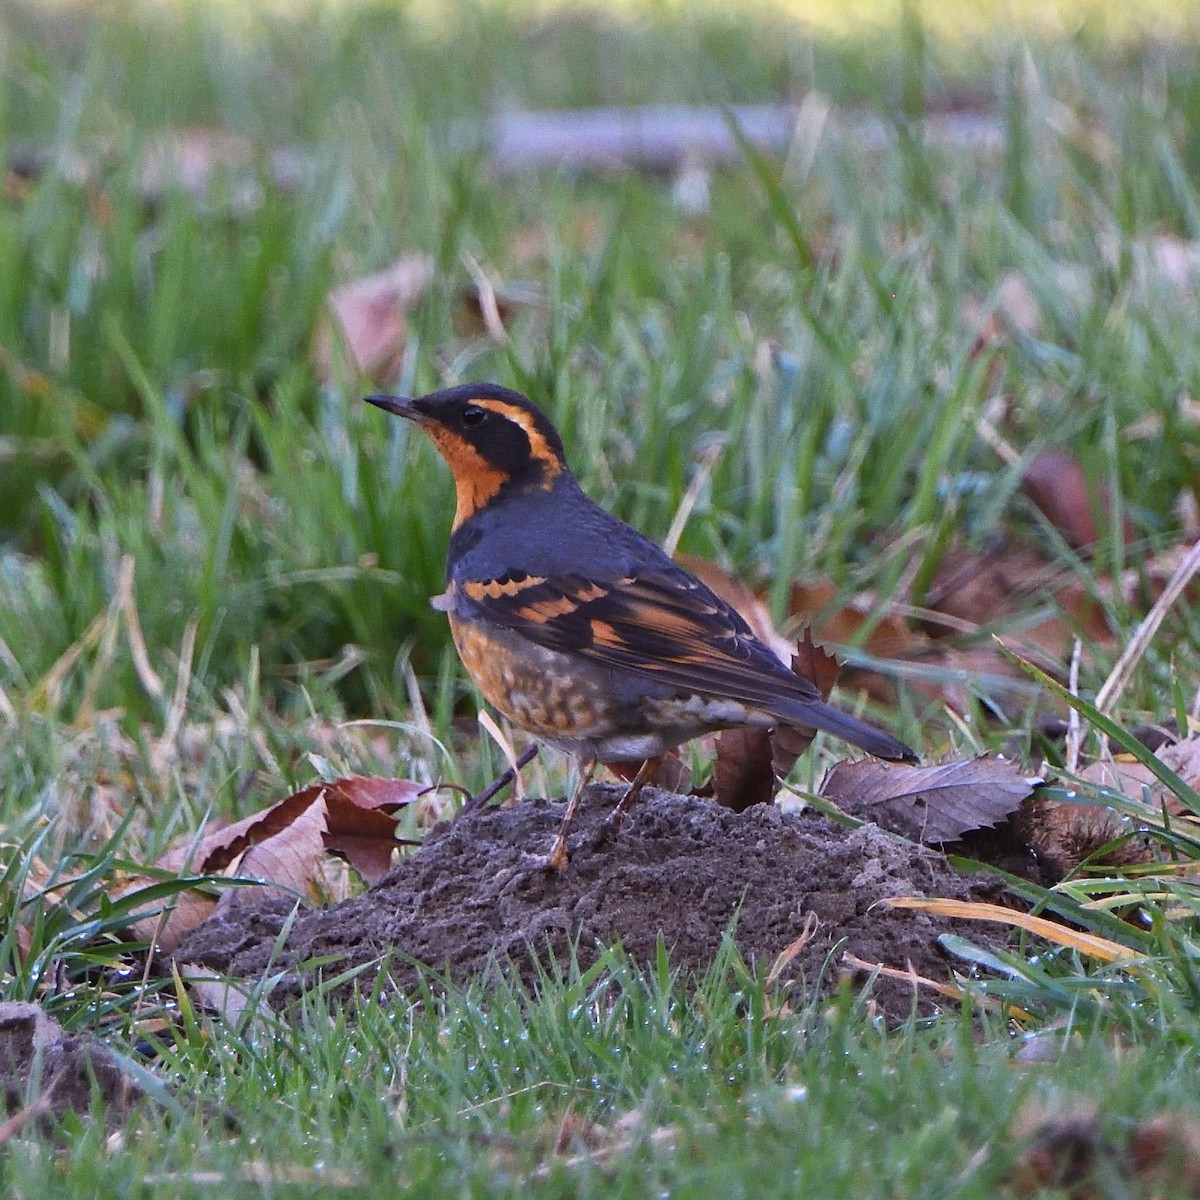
pixel 476 481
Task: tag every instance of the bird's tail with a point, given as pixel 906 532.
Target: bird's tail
pixel 817 715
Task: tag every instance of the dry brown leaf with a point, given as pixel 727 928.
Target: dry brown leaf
pixel 975 590
pixel 226 998
pixel 931 804
pixel 750 762
pixel 184 912
pixel 360 826
pixel 1124 775
pixel 819 667
pixel 368 317
pixel 1184 759
pixel 743 773
pixel 356 805
pixel 816 664
pixel 1074 1154
pixel 838 623
pixel 1132 779
pixel 1056 483
pixel 1001 588
pixel 961 675
pixel 283 846
pixel 835 621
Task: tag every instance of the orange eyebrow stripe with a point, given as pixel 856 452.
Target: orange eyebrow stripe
pixel 494 589
pixel 539 448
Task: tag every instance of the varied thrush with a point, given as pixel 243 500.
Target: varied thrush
pixel 575 626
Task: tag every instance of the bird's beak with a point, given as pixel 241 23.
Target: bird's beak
pixel 402 406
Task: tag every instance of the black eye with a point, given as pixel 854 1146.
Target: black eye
pixel 472 416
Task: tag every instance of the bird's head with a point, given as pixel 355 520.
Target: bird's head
pixel 491 437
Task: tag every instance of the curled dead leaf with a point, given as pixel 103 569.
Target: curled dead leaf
pixel 751 762
pixel 816 664
pixel 743 773
pixel 368 318
pixel 1074 1153
pixel 932 804
pixel 1138 782
pixel 1056 482
pixel 1036 607
pixel 282 848
pixel 856 621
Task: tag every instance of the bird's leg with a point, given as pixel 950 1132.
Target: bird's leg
pixel 557 859
pixel 613 821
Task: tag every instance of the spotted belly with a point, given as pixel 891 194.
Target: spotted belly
pixel 532 686
pixel 584 708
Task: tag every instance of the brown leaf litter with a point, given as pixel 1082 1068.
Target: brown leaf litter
pixel 283 848
pixel 1077 1154
pixel 934 804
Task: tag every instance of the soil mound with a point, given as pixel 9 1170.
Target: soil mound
pixel 468 901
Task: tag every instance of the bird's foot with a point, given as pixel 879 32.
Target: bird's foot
pixel 558 858
pixel 528 867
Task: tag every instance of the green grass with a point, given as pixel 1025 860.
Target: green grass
pixel 158 408
pixel 693 1094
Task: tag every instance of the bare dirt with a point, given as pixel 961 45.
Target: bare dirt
pixel 44 1072
pixel 469 902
